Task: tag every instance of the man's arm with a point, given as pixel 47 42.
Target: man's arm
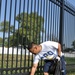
pixel 59 49
pixel 34 67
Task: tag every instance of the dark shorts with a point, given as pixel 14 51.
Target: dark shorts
pixel 48 64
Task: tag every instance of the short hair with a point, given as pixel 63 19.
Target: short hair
pixel 30 45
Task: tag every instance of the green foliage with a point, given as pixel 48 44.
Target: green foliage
pixel 73 44
pixel 5 27
pixel 70 60
pixel 1 40
pixel 30 26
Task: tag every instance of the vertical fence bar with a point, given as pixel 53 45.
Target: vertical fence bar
pixel 3 37
pixel 23 32
pixel 18 37
pixel 40 5
pixel 26 31
pixel 52 19
pixel 31 59
pixel 37 36
pixel 25 46
pixel 65 21
pixel 48 33
pixel 51 24
pixel 21 64
pixel 44 17
pixel 57 23
pixel 61 22
pixel 46 24
pixel 34 19
pixel 37 18
pixel 28 59
pixel 17 44
pixel 43 23
pixel 67 28
pixel 21 43
pixel 15 7
pixel 46 20
pixel 40 12
pixel 9 36
pixel 0 23
pixel 19 24
pixel 30 33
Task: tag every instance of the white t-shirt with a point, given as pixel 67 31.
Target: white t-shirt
pixel 48 52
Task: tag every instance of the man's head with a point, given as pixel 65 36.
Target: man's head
pixel 33 48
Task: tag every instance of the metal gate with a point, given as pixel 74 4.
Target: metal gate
pixel 23 21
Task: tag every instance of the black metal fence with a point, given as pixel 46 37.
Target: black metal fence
pixel 23 21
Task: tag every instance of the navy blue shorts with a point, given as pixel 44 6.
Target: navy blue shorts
pixel 47 65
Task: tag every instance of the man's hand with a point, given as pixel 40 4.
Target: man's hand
pixel 58 58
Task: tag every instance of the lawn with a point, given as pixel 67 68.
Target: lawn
pixel 19 61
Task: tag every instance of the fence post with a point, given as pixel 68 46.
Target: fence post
pixel 61 31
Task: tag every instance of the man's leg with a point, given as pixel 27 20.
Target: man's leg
pixel 45 73
pixel 46 67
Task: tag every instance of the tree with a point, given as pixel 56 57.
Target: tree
pixel 73 44
pixel 30 26
pixel 4 27
pixel 1 40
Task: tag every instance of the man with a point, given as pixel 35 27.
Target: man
pixel 47 51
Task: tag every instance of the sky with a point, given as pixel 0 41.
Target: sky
pixel 72 2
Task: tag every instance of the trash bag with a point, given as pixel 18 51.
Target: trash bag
pixel 58 68
pixel 55 69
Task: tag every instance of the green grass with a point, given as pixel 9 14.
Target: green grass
pixel 21 62
pixel 70 60
pixel 17 61
pixel 70 68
